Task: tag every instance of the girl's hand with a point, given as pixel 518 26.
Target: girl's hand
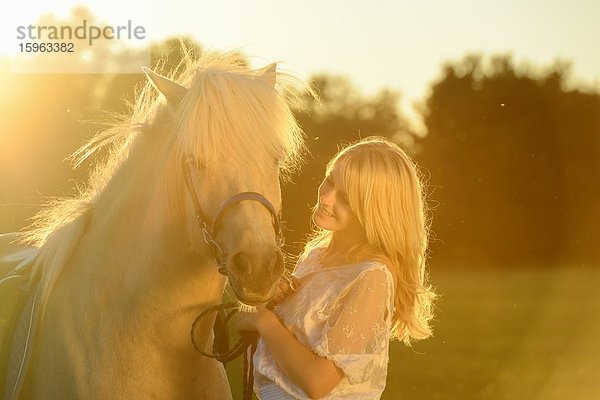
pixel 287 286
pixel 255 320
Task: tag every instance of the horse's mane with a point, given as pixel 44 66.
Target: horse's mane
pixel 246 113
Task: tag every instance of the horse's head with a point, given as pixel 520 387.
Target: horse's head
pixel 233 133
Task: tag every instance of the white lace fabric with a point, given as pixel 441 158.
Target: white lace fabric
pixel 341 313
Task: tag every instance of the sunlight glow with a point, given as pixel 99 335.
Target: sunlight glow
pixel 398 45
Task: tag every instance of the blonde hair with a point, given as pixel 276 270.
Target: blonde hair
pixel 386 194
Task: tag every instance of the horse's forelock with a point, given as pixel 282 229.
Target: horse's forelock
pixel 233 112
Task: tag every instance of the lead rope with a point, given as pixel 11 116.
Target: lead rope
pixel 248 382
pixel 221 349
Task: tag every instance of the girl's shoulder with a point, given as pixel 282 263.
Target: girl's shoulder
pixel 372 270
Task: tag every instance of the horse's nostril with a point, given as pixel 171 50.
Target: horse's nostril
pixel 240 263
pixel 254 274
pixel 243 264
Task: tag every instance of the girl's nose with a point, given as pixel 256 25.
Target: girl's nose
pixel 327 198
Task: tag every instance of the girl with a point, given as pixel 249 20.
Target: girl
pixel 361 282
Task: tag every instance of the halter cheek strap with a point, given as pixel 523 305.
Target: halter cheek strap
pixel 209 227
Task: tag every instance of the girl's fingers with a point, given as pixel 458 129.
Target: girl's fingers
pixel 246 320
pixel 285 288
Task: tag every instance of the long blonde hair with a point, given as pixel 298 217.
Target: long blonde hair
pixel 386 194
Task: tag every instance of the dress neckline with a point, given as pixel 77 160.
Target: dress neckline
pixel 319 252
pixel 321 268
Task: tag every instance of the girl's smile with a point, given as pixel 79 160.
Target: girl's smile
pixel 333 211
pixel 323 211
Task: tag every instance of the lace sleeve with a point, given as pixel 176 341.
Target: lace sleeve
pixel 356 335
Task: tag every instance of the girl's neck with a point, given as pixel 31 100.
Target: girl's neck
pixel 338 249
pixel 343 241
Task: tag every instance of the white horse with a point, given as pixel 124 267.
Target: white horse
pixel 124 268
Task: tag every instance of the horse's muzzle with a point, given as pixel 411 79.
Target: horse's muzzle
pixel 255 276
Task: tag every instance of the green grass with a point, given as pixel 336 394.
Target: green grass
pixel 517 334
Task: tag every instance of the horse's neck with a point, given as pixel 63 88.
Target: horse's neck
pixel 137 267
pixel 143 243
pixel 127 214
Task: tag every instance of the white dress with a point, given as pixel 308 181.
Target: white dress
pixel 341 313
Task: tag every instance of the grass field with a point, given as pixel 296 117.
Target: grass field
pixel 529 334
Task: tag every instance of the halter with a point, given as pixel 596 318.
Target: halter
pixel 221 347
pixel 209 227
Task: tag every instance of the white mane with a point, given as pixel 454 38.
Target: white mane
pixel 229 112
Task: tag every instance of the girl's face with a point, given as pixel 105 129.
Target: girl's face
pixel 333 211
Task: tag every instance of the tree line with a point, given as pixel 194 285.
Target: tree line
pixel 510 153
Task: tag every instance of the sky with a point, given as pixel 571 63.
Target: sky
pixel 400 44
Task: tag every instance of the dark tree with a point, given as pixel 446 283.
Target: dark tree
pixel 502 148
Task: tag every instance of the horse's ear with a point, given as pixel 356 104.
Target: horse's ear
pixel 172 91
pixel 269 73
